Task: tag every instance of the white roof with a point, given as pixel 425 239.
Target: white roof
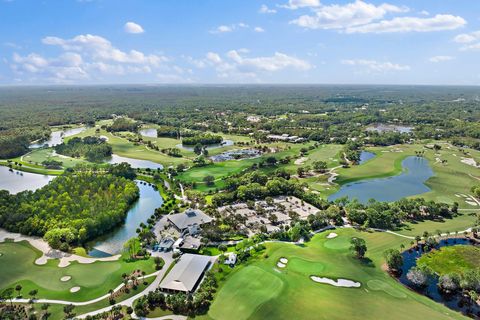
pixel 189 217
pixel 186 273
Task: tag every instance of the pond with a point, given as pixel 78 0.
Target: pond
pixel 410 182
pixel 135 163
pixel 224 143
pixel 455 301
pixel 365 156
pixel 390 127
pixel 112 243
pixel 149 132
pixel 56 137
pixel 18 181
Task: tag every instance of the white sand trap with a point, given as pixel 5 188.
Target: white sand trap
pixel 472 203
pixel 284 260
pixel 301 160
pixel 470 162
pixel 65 278
pixel 332 235
pixel 458 196
pixel 281 265
pixel 74 289
pixel 339 283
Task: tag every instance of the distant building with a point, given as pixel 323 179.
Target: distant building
pixel 189 221
pixel 186 275
pixel 285 137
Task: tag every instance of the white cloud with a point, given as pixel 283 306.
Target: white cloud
pixel 235 65
pixel 437 59
pixel 471 41
pixel 297 4
pixel 265 9
pixel 100 48
pixel 222 29
pixel 234 27
pixel 92 58
pixel 411 24
pixel 132 27
pixel 343 16
pixel 375 66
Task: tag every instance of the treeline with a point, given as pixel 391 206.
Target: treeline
pixel 94 149
pixel 202 139
pixel 15 142
pixel 71 209
pixel 168 131
pixel 393 215
pixel 180 303
pixel 123 124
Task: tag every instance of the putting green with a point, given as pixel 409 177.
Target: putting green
pixel 238 291
pixel 257 291
pixel 304 266
pixel 95 279
pixel 338 243
pixel 379 285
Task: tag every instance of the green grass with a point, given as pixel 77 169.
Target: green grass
pixel 17 265
pixel 456 259
pixel 260 290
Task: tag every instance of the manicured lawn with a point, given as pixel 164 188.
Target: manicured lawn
pixel 456 259
pixel 17 265
pixel 261 290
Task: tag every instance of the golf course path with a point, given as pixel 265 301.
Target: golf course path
pixel 82 303
pixel 152 287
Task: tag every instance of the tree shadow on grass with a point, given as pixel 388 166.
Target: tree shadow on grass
pixel 367 262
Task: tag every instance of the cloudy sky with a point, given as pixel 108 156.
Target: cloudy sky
pixel 240 41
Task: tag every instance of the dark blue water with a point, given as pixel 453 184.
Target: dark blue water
pixel 456 301
pixel 112 243
pixel 365 156
pixel 410 182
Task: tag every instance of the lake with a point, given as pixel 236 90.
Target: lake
pixel 410 182
pixel 150 132
pixel 56 137
pixel 135 163
pixel 18 181
pixel 365 156
pixel 390 127
pixel 455 301
pixel 112 243
pixel 224 143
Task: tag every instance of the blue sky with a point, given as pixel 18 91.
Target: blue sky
pixel 240 41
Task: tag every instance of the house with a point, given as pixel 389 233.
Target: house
pixel 186 275
pixel 189 221
pixel 231 258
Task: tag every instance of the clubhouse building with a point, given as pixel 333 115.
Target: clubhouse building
pixel 189 221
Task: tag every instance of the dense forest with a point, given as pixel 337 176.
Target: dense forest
pixel 71 209
pixel 321 113
pixel 94 149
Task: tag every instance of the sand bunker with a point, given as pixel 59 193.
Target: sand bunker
pixel 281 265
pixel 470 162
pixel 284 260
pixel 65 278
pixel 332 235
pixel 339 283
pixel 74 289
pixel 301 160
pixel 472 203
